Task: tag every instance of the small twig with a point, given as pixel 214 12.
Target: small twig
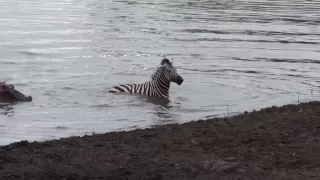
pixel 93 133
pixel 228 110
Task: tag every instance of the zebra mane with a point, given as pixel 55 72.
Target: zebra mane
pixel 156 72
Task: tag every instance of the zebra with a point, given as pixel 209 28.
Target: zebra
pixel 159 84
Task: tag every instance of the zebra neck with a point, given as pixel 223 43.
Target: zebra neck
pixel 162 85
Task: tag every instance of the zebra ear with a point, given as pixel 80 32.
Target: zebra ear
pixel 165 61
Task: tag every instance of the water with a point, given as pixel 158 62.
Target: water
pixel 234 55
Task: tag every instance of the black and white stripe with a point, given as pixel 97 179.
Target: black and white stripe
pixel 159 84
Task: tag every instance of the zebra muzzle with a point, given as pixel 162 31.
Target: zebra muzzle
pixel 178 80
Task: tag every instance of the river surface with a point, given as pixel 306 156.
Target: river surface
pixel 234 55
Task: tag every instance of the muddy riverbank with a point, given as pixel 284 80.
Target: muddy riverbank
pixel 273 143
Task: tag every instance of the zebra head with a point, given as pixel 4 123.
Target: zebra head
pixel 168 71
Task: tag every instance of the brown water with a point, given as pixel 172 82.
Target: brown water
pixel 233 55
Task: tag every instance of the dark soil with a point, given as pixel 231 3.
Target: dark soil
pixel 273 143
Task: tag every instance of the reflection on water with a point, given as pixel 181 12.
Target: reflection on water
pixel 236 53
pixel 164 113
pixel 164 102
pixel 162 109
pixel 7 109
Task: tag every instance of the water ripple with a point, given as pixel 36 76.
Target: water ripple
pixel 235 55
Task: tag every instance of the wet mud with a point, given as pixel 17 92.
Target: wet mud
pixel 273 143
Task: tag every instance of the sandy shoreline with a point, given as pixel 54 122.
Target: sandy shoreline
pixel 273 143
